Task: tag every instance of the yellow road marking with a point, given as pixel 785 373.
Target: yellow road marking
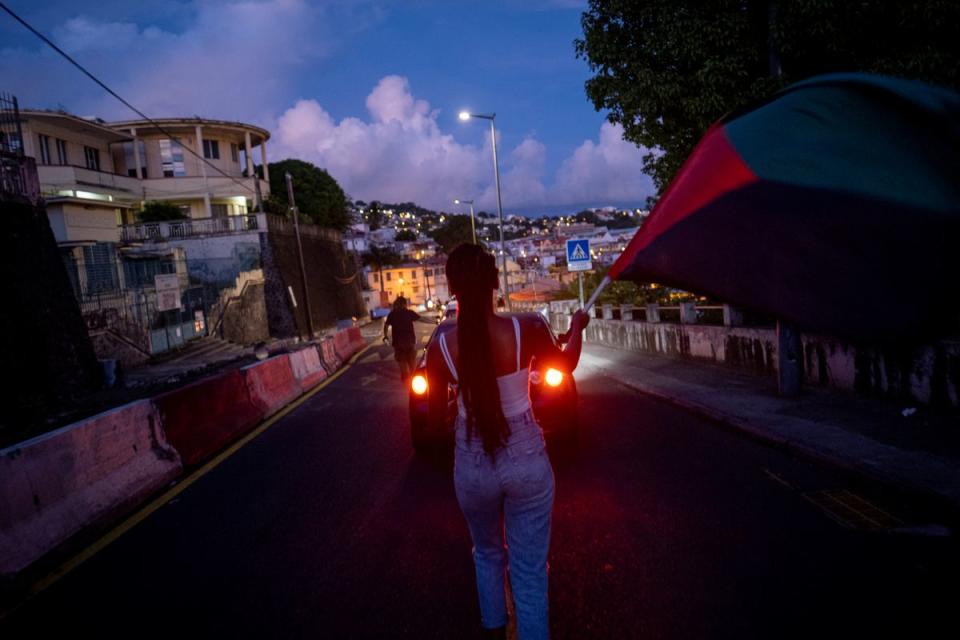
pixel 55 575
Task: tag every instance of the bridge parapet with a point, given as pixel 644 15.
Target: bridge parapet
pixel 923 374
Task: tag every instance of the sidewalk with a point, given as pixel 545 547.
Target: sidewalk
pixel 919 451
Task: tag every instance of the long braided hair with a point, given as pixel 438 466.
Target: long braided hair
pixel 472 276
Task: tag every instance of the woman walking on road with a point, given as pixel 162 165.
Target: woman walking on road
pixel 502 475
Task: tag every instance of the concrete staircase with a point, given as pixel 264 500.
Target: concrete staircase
pixel 195 355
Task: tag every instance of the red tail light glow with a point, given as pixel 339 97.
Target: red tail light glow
pixel 419 384
pixel 553 377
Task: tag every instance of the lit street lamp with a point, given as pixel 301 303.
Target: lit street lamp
pixel 473 224
pixel 466 115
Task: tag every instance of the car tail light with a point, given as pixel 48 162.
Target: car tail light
pixel 419 384
pixel 553 377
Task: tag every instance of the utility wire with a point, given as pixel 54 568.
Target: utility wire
pixel 127 104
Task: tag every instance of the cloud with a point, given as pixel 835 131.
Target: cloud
pixel 82 35
pixel 230 60
pixel 611 168
pixel 400 154
pixel 522 184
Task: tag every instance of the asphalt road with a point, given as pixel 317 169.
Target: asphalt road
pixel 665 526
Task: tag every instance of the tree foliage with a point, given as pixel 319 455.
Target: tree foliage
pixel 374 215
pixel 319 198
pixel 405 235
pixel 455 230
pixel 159 211
pixel 377 256
pixel 667 69
pixel 625 291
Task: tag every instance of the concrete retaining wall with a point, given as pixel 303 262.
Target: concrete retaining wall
pixel 201 418
pixel 307 367
pixel 327 269
pixel 220 258
pixel 925 374
pixel 245 316
pixel 53 486
pixel 342 345
pixel 271 384
pixel 328 354
pixel 921 374
pixel 356 338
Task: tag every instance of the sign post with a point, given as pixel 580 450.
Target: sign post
pixel 578 259
pixel 168 291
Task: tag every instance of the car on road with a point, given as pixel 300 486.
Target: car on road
pixel 447 310
pixel 553 395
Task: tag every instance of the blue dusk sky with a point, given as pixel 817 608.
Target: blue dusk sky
pixel 368 90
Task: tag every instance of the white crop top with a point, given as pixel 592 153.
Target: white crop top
pixel 514 387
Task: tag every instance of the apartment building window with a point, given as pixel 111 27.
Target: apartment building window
pixel 100 263
pixel 130 159
pixel 92 157
pixel 171 158
pixel 416 289
pixel 211 149
pixel 376 277
pixel 61 151
pixel 219 210
pixel 388 276
pixel 413 275
pixel 234 152
pixel 44 148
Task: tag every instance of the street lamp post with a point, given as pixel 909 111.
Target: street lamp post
pixel 473 224
pixel 466 115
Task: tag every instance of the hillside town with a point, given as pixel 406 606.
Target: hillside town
pixel 535 250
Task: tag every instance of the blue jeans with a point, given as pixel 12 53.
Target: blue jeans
pixel 511 491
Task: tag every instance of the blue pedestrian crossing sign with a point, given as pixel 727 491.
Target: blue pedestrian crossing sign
pixel 578 255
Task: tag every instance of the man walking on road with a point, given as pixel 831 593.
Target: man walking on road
pixel 404 337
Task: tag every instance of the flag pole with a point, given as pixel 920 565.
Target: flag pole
pixel 596 292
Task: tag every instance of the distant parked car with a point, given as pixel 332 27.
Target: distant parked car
pixel 553 395
pixel 446 310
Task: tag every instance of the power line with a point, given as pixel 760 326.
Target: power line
pixel 117 96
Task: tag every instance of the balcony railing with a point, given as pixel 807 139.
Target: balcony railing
pixel 55 177
pixel 181 229
pixel 18 177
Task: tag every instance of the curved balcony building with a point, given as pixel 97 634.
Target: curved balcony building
pixel 89 177
pixel 222 186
